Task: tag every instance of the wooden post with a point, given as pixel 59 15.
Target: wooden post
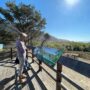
pixel 11 53
pixel 27 54
pixel 59 70
pixel 32 55
pixel 40 63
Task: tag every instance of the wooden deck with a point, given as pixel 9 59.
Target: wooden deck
pixel 36 80
pixel 39 77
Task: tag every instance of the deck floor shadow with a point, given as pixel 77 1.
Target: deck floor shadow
pixel 78 66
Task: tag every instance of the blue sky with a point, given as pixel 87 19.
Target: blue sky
pixel 66 19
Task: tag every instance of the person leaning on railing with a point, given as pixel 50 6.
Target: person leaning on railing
pixel 21 54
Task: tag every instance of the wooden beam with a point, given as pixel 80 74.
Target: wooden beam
pixel 32 56
pixel 59 70
pixel 11 53
pixel 40 67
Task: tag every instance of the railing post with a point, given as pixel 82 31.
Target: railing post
pixel 27 54
pixel 59 70
pixel 32 55
pixel 40 63
pixel 11 53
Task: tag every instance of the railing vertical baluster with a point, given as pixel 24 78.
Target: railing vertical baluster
pixel 32 55
pixel 40 63
pixel 59 70
pixel 11 53
pixel 27 54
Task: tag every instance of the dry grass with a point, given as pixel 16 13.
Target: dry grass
pixel 85 55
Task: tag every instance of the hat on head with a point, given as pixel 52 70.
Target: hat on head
pixel 24 34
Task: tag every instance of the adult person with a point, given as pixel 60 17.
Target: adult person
pixel 21 54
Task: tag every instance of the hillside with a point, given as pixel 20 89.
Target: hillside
pixel 52 39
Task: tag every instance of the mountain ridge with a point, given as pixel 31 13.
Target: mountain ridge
pixel 52 39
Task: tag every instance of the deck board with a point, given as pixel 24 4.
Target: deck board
pixel 36 80
pixel 45 82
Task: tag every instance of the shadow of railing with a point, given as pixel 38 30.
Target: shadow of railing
pixel 40 82
pixel 81 67
pixel 78 66
pixel 7 80
pixel 19 86
pixel 16 85
pixel 29 81
pixel 58 71
pixel 13 86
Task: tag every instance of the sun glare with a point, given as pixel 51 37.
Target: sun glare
pixel 71 3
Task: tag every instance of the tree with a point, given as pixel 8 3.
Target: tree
pixel 6 37
pixel 46 37
pixel 24 18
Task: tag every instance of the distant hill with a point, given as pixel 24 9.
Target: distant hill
pixel 52 39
